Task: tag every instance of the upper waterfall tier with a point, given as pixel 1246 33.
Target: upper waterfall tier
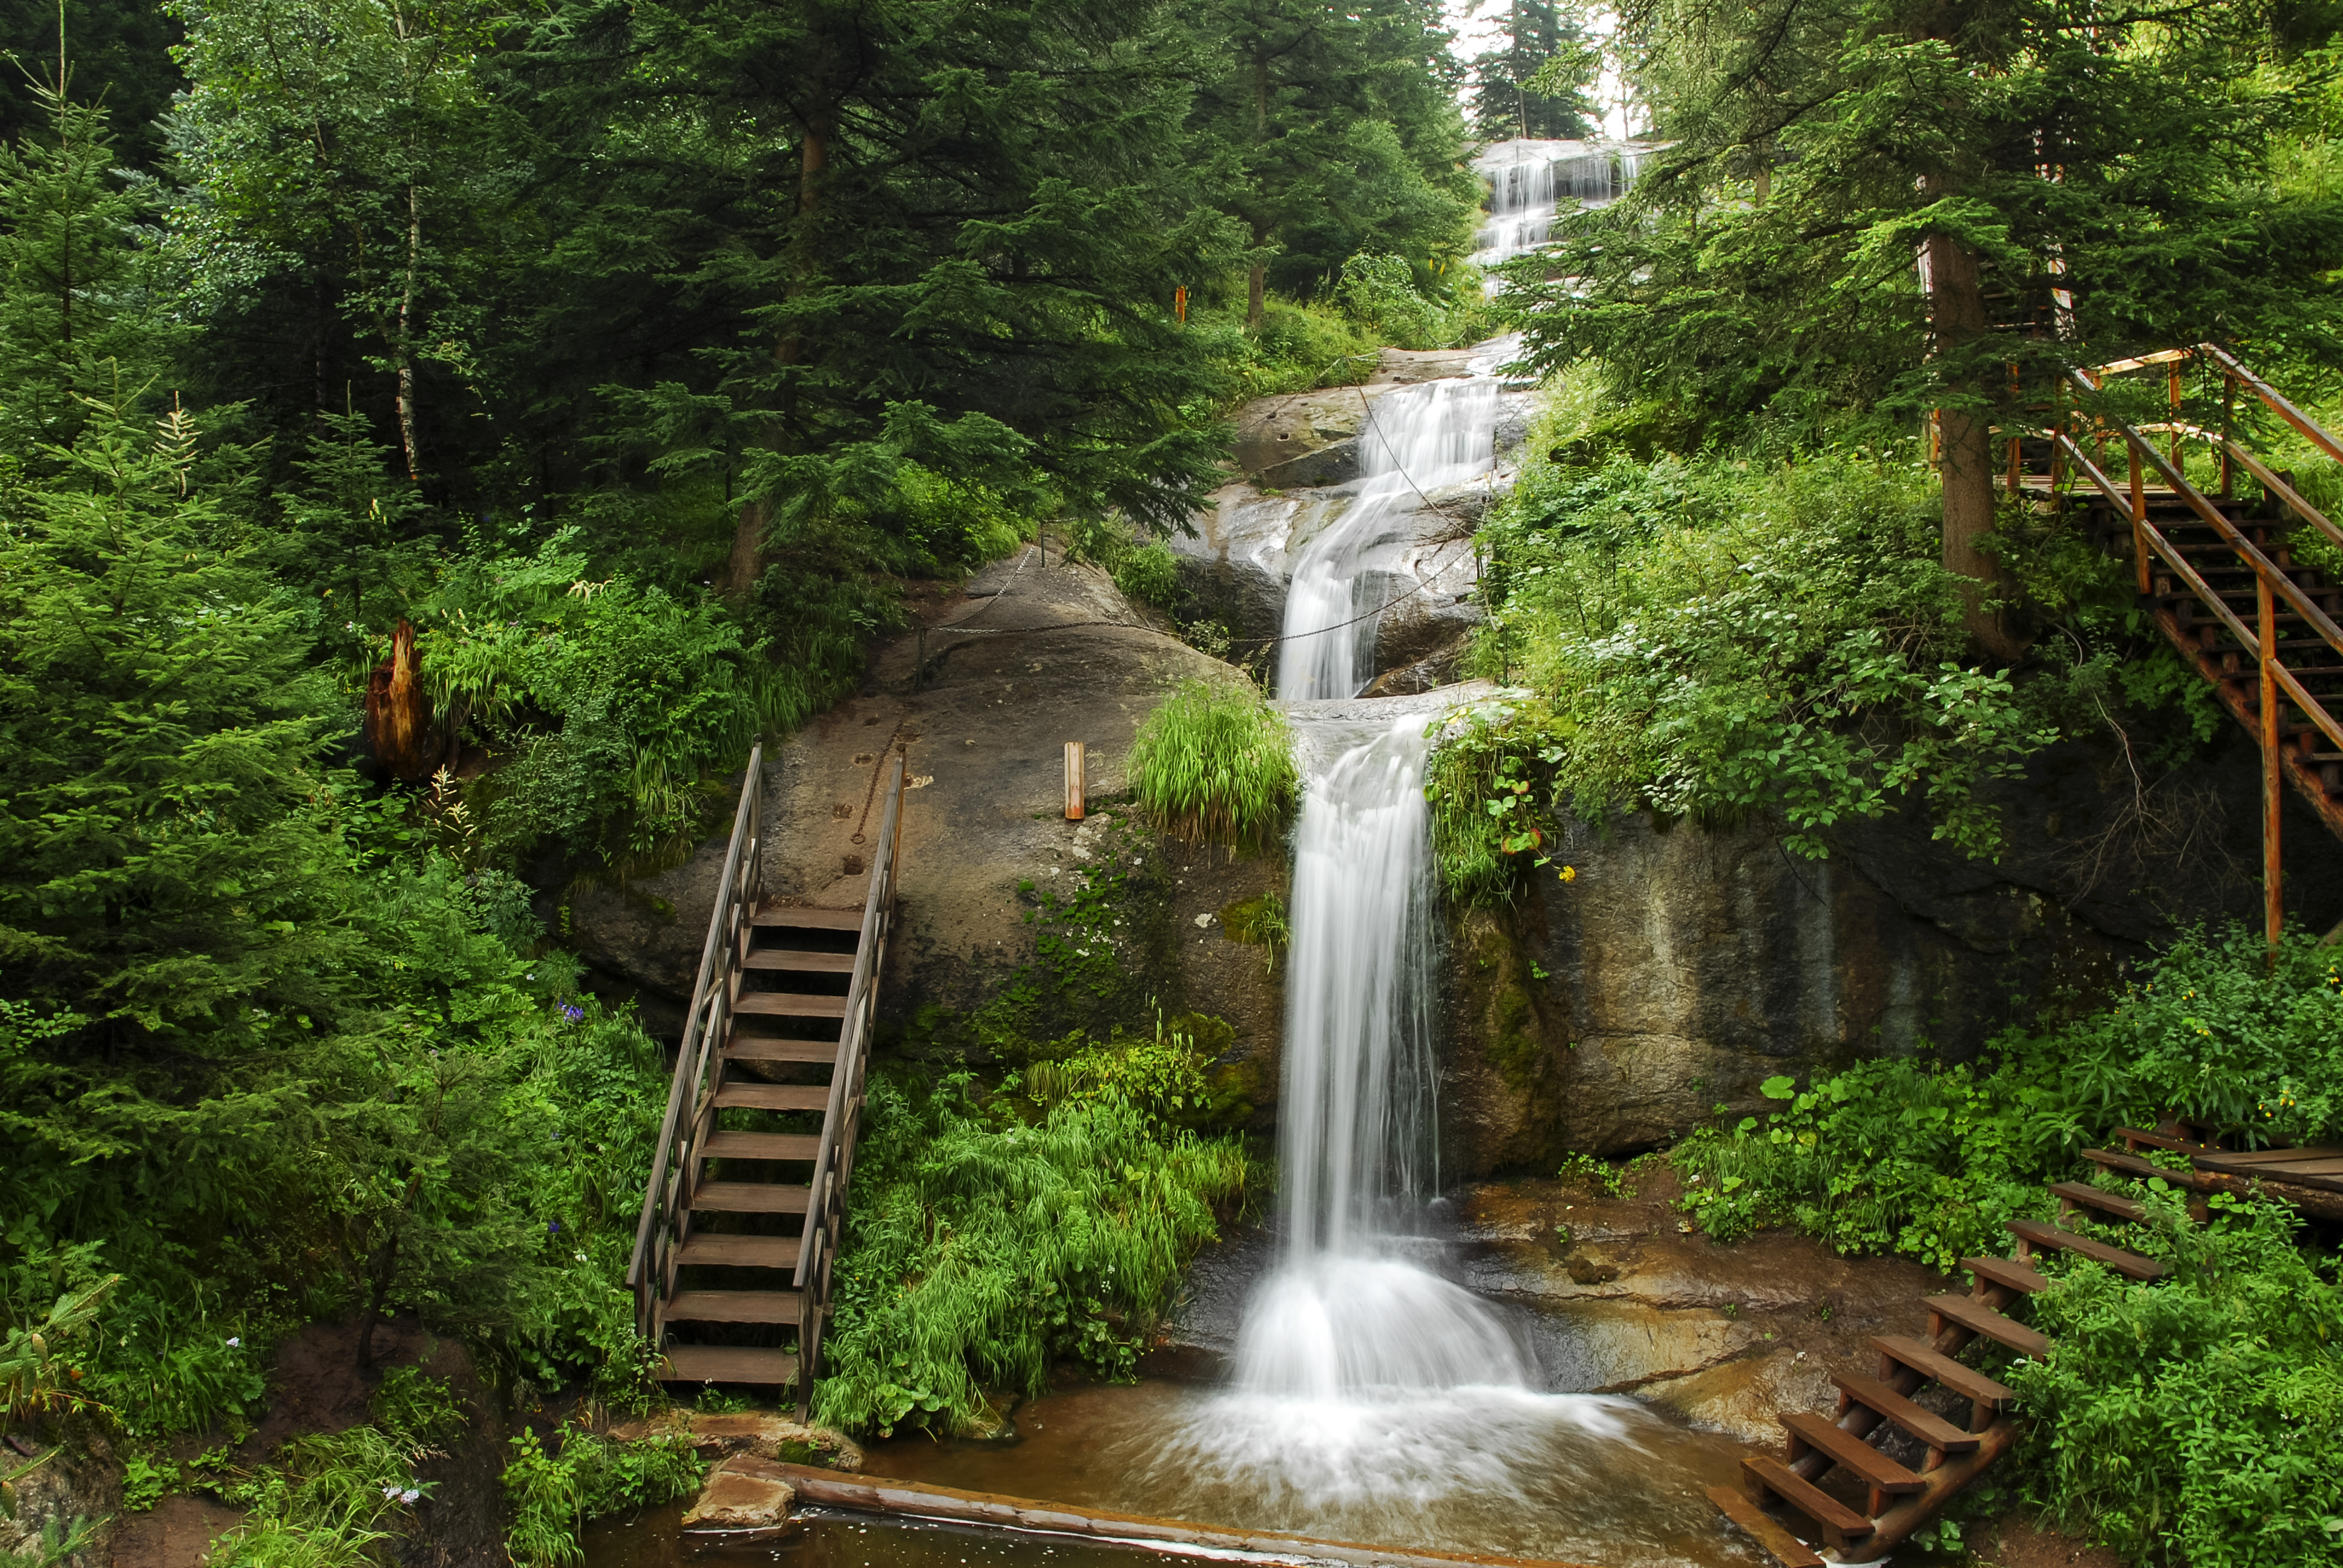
pixel 1530 179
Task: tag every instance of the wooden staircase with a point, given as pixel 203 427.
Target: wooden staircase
pixel 733 1263
pixel 1888 1499
pixel 2215 571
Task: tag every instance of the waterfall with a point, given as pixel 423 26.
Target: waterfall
pixel 1414 441
pixel 1528 182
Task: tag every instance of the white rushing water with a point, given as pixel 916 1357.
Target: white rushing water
pixel 1414 441
pixel 1529 182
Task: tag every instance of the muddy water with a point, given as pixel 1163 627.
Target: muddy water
pixel 1625 1495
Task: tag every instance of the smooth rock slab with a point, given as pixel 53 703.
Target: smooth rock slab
pixel 744 1492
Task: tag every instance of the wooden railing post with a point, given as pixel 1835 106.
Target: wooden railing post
pixel 2139 519
pixel 2273 881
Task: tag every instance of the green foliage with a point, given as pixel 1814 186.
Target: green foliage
pixel 1387 297
pixel 325 1502
pixel 1605 1177
pixel 1214 761
pixel 980 1248
pixel 587 1475
pixel 1721 638
pixel 2199 1419
pixel 1910 1156
pixel 1488 810
pixel 1149 575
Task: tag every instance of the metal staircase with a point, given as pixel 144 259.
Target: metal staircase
pixel 740 1219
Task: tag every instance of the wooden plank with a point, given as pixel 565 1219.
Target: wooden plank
pixel 808 918
pixel 740 1252
pixel 1965 1381
pixel 1786 1549
pixel 866 1494
pixel 1927 1425
pixel 1843 1448
pixel 796 960
pixel 728 1363
pixel 759 1146
pixel 770 1048
pixel 772 1095
pixel 1979 1318
pixel 789 1004
pixel 2245 1158
pixel 751 1198
pixel 2083 1195
pixel 1908 1513
pixel 734 1307
pixel 2131 1265
pixel 1762 1474
pixel 2133 1165
pixel 2006 1273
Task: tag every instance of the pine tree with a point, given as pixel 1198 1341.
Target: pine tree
pixel 1537 82
pixel 2080 187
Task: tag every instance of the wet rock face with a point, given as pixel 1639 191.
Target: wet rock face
pixel 744 1492
pixel 1622 1300
pixel 1682 968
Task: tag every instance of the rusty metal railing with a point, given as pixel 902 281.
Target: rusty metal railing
pixel 2276 665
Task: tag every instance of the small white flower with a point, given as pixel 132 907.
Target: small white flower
pixel 234 1341
pixel 391 1492
pixel 410 1495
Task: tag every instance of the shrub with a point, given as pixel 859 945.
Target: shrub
pixel 553 1495
pixel 1214 761
pixel 1149 575
pixel 979 1248
pixel 2199 1419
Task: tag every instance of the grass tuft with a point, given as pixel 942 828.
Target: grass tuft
pixel 1214 763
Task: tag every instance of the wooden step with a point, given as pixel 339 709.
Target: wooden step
pixel 1925 1425
pixel 761 1146
pixel 1882 1474
pixel 798 962
pixel 2131 1265
pixel 2245 1158
pixel 701 1251
pixel 2082 1194
pixel 768 1048
pixel 2133 1165
pixel 1979 1318
pixel 787 1004
pixel 1786 1549
pixel 732 1307
pixel 2008 1272
pixel 728 1363
pixel 1762 1475
pixel 808 920
pixel 1965 1381
pixel 751 1198
pixel 772 1095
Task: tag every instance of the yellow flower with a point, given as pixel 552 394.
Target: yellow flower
pixel 1569 873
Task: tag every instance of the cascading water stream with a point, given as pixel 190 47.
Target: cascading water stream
pixel 1414 441
pixel 1528 182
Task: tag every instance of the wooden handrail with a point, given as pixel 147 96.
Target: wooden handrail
pixel 716 959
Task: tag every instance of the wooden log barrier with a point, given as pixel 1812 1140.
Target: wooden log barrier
pixel 916 1500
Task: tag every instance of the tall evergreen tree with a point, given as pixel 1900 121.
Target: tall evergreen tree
pixel 1538 82
pixel 2073 186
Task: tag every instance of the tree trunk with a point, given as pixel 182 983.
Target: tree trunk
pixel 745 565
pixel 1957 317
pixel 405 343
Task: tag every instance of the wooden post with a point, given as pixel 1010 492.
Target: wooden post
pixel 1075 781
pixel 2175 385
pixel 2273 881
pixel 2229 411
pixel 2139 518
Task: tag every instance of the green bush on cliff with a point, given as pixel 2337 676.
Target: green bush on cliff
pixel 982 1247
pixel 1915 1157
pixel 1214 762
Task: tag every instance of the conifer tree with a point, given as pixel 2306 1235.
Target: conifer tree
pixel 1536 82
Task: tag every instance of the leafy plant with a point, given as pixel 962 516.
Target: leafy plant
pixel 1214 761
pixel 981 1248
pixel 588 1475
pixel 1149 575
